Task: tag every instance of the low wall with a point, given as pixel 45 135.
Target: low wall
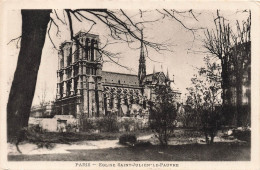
pixel 58 123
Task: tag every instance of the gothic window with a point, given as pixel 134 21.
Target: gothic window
pixel 87 70
pixel 75 84
pixel 111 101
pixel 61 89
pixel 118 102
pixel 131 99
pixel 68 87
pixel 69 73
pixel 69 52
pixel 105 103
pixel 92 49
pixel 126 101
pixel 87 49
pixel 62 59
pixel 77 51
pixel 76 71
pixel 61 76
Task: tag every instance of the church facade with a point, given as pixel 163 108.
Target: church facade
pixel 83 88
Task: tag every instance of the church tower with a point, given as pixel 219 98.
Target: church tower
pixel 142 66
pixel 79 77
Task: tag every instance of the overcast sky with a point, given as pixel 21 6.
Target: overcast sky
pixel 181 61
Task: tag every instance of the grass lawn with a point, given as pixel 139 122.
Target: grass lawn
pixel 191 152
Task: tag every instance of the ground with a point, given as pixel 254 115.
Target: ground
pixel 185 145
pixel 191 152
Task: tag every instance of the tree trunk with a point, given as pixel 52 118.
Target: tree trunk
pixel 34 26
pixel 239 101
pixel 212 135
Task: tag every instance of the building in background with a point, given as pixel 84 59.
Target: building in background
pixel 237 103
pixel 83 88
pixel 43 110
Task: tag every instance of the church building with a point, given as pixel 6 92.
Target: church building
pixel 84 88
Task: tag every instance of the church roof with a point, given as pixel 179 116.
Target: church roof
pixel 149 77
pixel 120 78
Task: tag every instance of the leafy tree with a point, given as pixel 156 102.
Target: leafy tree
pixel 204 97
pixel 163 112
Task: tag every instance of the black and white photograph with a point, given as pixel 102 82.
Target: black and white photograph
pixel 130 86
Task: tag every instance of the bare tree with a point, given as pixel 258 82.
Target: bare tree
pixel 233 49
pixel 42 98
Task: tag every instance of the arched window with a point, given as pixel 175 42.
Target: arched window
pixel 87 48
pixel 77 51
pixel 68 87
pixel 69 53
pixel 105 102
pixel 118 102
pixel 92 49
pixel 61 89
pixel 131 99
pixel 111 101
pixel 125 100
pixel 75 84
pixel 62 59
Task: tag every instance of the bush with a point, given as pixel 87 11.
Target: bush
pixel 35 128
pixel 244 135
pixel 107 124
pixel 127 138
pixel 211 124
pixel 143 144
pixel 87 125
pixel 127 123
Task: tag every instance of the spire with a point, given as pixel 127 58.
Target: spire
pixel 153 69
pixel 142 65
pixel 167 74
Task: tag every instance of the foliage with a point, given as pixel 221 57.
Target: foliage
pixel 204 97
pixel 189 117
pixel 127 138
pixel 108 123
pixel 87 124
pixel 163 112
pixel 244 134
pixel 127 123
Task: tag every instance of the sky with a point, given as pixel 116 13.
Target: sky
pixel 185 55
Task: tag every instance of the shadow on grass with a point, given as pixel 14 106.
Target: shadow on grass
pixel 190 152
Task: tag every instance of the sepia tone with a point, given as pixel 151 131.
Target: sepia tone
pixel 114 92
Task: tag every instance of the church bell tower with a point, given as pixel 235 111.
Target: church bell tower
pixel 142 66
